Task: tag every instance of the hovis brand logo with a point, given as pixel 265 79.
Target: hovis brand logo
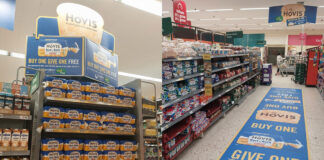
pixel 292 11
pixel 76 20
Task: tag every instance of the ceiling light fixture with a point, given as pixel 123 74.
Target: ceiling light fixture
pixel 17 55
pixel 236 18
pixel 151 6
pixel 260 18
pixel 193 11
pixel 210 19
pixel 4 52
pixel 249 9
pixel 139 77
pixel 321 6
pixel 218 10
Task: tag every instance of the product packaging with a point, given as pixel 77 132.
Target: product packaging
pixel 112 145
pixel 73 114
pixel 52 144
pixel 53 123
pixel 75 85
pixel 73 145
pixel 53 112
pixel 55 82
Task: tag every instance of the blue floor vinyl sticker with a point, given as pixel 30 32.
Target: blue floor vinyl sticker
pixel 275 131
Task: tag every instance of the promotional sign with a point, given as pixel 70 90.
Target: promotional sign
pixel 292 11
pixel 166 26
pixel 296 21
pixel 275 131
pixel 57 55
pixel 100 64
pixel 179 12
pixel 7 14
pixel 250 40
pixel 78 20
pixel 309 40
pixel 235 34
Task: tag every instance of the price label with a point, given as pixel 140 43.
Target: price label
pixel 206 56
pixel 24 117
pixel 191 112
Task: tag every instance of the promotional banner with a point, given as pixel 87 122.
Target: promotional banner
pixel 57 55
pixel 7 14
pixel 250 40
pixel 275 131
pixel 309 40
pixel 179 12
pixel 297 12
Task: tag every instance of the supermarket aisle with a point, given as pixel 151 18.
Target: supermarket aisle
pixel 217 138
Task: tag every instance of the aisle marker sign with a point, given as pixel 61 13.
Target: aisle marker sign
pixel 275 131
pixel 179 12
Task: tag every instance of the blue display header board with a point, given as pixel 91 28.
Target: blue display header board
pixel 60 56
pixel 100 64
pixel 7 14
pixel 296 21
pixel 276 16
pixel 72 56
pixel 275 131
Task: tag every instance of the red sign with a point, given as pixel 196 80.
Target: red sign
pixel 179 12
pixel 302 36
pixel 189 24
pixel 309 40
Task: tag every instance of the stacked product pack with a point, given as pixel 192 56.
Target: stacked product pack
pixel 177 48
pixel 78 149
pixel 14 139
pixel 266 76
pixel 57 117
pixel 14 99
pixel 180 68
pixel 89 91
pixel 199 123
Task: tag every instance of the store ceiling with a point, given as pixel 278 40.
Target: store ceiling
pixel 237 19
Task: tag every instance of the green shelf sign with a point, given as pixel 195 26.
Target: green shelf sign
pixel 34 83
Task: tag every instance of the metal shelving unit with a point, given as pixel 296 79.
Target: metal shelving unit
pixel 39 100
pixel 228 79
pixel 181 59
pixel 15 116
pixel 229 67
pixel 231 55
pixel 14 153
pixel 181 78
pixel 182 98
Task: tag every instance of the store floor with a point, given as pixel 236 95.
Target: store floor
pixel 218 136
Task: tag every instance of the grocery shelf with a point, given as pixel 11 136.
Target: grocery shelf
pixel 181 98
pixel 181 78
pixel 219 94
pixel 232 55
pixel 170 124
pixel 85 131
pixel 228 79
pixel 148 113
pixel 181 59
pixel 229 67
pixel 14 153
pixel 84 103
pixel 181 150
pixel 15 116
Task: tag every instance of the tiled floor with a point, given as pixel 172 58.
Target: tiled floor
pixel 217 138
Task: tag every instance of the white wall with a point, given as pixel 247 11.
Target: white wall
pixel 8 67
pixel 138 34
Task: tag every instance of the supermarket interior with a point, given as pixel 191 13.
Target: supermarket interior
pixel 242 80
pixel 96 80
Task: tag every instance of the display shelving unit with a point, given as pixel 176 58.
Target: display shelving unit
pixel 252 74
pixel 320 79
pixel 39 100
pixel 16 121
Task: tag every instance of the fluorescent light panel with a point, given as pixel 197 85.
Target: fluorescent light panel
pixel 321 6
pixel 151 6
pixel 218 10
pixel 4 52
pixel 260 18
pixel 139 77
pixel 236 18
pixel 193 11
pixel 248 9
pixel 210 19
pixel 17 55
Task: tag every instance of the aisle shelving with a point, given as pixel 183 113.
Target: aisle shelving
pixel 181 78
pixel 15 116
pixel 233 81
pixel 14 153
pixel 86 131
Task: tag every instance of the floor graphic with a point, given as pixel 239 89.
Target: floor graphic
pixel 275 131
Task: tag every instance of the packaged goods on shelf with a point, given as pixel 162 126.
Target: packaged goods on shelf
pixel 53 112
pixel 74 85
pixel 127 118
pixel 110 145
pixel 56 82
pixel 177 48
pixel 74 124
pixel 52 144
pixel 93 125
pixel 109 89
pixel 75 94
pixel 45 155
pixel 92 145
pixel 125 91
pixel 110 155
pixel 128 155
pixel 92 155
pixel 73 145
pixel 127 128
pixel 199 123
pixel 76 114
pixel 110 117
pixel 53 123
pixel 14 139
pixel 110 127
pixel 55 92
pixel 73 155
pixel 128 145
pixel 89 115
pixel 92 87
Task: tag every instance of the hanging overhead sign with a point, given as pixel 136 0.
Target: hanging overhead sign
pixel 179 12
pixel 235 34
pixel 7 14
pixel 296 21
pixel 297 12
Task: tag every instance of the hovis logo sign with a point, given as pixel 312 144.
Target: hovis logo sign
pixel 76 20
